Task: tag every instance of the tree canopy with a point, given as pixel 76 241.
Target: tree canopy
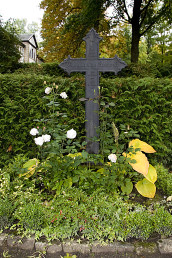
pixel 65 23
pixel 9 51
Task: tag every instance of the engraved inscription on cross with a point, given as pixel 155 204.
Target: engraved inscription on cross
pixel 92 65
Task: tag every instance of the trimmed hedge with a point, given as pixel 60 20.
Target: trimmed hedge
pixel 139 70
pixel 144 104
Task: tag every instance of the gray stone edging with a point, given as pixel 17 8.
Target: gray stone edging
pixel 162 246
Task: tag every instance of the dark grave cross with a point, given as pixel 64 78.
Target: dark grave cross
pixel 92 65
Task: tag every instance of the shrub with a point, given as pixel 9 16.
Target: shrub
pixel 162 221
pixel 31 215
pixel 50 69
pixel 164 181
pixel 6 213
pixel 139 224
pixel 142 104
pixel 139 70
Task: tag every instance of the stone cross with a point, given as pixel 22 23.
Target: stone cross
pixel 92 65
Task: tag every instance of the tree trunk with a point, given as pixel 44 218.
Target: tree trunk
pixel 135 45
pixel 135 31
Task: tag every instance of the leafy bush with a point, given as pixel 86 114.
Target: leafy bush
pixel 50 69
pixel 31 215
pixel 6 213
pixel 76 212
pixel 164 182
pixel 9 51
pixel 139 70
pixel 142 104
pixel 162 221
pixel 139 224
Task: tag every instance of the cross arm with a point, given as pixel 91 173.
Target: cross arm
pixel 73 65
pixel 111 64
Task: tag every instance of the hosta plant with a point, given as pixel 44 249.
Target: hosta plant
pixel 139 162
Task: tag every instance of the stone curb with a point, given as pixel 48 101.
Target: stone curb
pixel 162 246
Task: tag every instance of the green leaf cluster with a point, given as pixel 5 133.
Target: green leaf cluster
pixel 99 216
pixel 9 51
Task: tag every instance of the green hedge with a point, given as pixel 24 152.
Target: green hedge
pixel 144 104
pixel 139 70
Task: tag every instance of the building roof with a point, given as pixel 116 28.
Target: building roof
pixel 27 37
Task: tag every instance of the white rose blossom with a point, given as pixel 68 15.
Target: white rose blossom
pixel 71 134
pixel 48 90
pixel 63 95
pixel 112 158
pixel 34 131
pixel 46 137
pixel 39 140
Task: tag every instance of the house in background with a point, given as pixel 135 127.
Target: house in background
pixel 28 48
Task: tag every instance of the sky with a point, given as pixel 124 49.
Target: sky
pixel 21 9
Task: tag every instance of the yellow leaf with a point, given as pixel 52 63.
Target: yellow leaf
pixel 142 163
pixel 151 175
pixel 146 188
pixel 30 165
pixel 101 170
pixel 136 143
pixel 74 155
pixel 109 164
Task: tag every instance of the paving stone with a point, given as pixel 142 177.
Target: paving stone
pixel 99 248
pixel 27 244
pixel 41 246
pixel 165 246
pixel 146 248
pixel 73 247
pixel 124 247
pixel 54 249
pixel 2 239
pixel 12 241
pixel 115 247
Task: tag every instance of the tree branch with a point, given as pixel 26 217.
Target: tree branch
pixel 150 25
pixel 146 6
pixel 154 20
pixel 126 11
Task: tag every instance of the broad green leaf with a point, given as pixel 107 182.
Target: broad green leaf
pixel 127 187
pixel 151 175
pixel 136 143
pixel 30 165
pixel 142 163
pixel 68 182
pixel 146 188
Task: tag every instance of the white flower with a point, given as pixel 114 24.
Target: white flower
pixel 112 157
pixel 46 137
pixel 39 141
pixel 71 134
pixel 63 95
pixel 48 90
pixel 169 199
pixel 34 131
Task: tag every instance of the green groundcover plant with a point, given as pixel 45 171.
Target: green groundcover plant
pixel 74 214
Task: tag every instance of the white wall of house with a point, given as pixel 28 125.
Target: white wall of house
pixel 28 50
pixel 32 54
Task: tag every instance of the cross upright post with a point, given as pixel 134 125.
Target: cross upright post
pixel 92 65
